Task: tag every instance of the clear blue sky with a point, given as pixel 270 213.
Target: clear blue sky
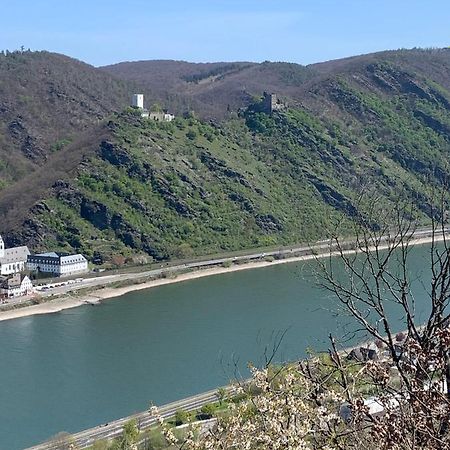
pixel 304 31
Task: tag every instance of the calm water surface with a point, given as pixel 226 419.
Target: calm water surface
pixel 86 366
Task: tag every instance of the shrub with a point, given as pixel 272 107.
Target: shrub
pixel 181 416
pixel 191 134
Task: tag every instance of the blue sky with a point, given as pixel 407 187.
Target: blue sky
pixel 303 31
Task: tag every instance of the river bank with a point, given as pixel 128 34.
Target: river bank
pixel 98 295
pixel 93 365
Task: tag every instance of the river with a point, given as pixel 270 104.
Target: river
pixel 89 365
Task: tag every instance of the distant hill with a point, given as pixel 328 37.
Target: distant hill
pixel 46 101
pixel 226 177
pixel 211 90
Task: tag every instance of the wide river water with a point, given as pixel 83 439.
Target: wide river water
pixel 89 365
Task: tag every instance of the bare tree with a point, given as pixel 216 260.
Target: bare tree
pixel 400 398
pixel 413 386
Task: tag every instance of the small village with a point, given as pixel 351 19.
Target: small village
pixel 18 266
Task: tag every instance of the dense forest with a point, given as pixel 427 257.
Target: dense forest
pixel 80 171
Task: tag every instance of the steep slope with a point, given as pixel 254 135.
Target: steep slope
pixel 184 188
pixel 377 125
pixel 46 100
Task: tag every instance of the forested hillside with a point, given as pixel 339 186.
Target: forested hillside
pixel 377 125
pixel 46 101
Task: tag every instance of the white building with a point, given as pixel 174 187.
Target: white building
pixel 58 264
pixel 161 116
pixel 12 260
pixel 137 101
pixel 15 285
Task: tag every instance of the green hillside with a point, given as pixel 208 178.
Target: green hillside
pixel 360 132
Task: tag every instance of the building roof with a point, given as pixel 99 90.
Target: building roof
pixel 60 258
pixel 15 254
pixel 12 281
pixel 75 258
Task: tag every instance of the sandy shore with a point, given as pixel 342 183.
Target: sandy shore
pixel 98 295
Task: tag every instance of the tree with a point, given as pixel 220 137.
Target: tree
pixel 183 251
pixel 191 134
pixel 221 395
pixel 181 416
pixel 206 411
pixel 63 441
pixel 118 260
pixel 156 107
pixel 413 392
pixel 129 437
pixel 333 401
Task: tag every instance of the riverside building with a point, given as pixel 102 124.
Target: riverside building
pixel 58 264
pixel 12 260
pixel 16 285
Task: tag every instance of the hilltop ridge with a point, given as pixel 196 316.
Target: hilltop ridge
pixel 104 182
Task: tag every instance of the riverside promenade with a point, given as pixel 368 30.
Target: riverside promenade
pixel 94 289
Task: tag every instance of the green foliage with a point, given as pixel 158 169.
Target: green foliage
pixel 170 198
pixel 129 437
pixel 156 107
pixel 183 251
pixel 61 143
pixel 191 134
pixel 222 394
pixel 100 445
pixel 260 123
pixel 191 187
pixel 207 411
pixel 181 417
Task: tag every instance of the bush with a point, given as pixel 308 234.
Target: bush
pixel 181 416
pixel 191 134
pixel 206 412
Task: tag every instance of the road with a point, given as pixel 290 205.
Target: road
pixel 103 280
pixel 144 421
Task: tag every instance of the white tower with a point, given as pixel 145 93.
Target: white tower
pixel 137 101
pixel 2 248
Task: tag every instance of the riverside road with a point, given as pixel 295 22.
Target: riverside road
pixel 318 248
pixel 144 421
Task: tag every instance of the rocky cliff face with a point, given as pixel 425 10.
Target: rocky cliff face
pixel 371 126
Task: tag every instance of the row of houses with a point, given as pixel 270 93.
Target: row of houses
pixel 14 261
